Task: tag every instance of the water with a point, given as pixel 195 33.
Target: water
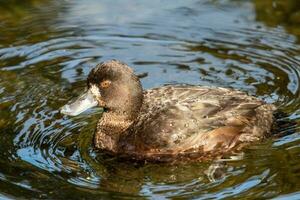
pixel 48 47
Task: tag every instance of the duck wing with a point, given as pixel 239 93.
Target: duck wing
pixel 183 118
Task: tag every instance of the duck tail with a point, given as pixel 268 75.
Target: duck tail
pixel 283 125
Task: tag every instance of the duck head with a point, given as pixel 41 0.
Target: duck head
pixel 113 86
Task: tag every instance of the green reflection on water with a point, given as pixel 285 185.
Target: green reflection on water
pixel 279 13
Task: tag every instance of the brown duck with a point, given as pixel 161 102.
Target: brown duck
pixel 169 122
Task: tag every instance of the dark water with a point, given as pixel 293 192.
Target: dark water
pixel 48 47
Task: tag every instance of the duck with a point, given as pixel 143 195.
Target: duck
pixel 172 121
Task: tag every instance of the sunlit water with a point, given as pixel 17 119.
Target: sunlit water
pixel 47 49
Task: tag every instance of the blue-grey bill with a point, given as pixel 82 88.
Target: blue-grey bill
pixel 81 104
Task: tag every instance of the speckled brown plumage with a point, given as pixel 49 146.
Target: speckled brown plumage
pixel 174 121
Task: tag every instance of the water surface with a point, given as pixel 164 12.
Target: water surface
pixel 48 47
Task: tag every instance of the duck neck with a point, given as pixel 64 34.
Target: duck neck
pixel 109 128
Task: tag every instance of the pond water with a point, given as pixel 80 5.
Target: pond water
pixel 48 47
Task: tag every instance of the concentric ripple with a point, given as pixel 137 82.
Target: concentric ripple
pixel 47 49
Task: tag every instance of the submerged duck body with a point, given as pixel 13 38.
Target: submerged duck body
pixel 170 122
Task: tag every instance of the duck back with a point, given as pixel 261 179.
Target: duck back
pixel 183 119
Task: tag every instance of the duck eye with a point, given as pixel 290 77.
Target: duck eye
pixel 105 84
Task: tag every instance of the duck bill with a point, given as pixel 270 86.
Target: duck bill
pixel 81 104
